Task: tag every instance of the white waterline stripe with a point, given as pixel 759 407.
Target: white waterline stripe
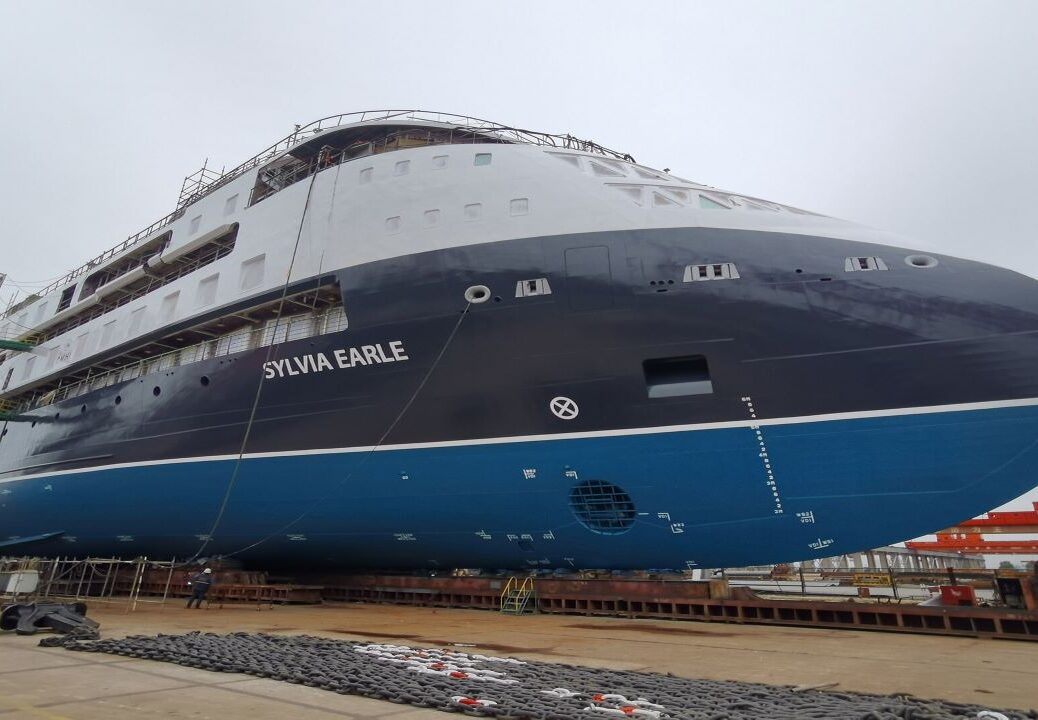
pixel 589 434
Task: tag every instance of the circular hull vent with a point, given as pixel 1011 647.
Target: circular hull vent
pixel 602 507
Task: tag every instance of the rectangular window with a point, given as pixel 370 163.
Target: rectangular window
pixel 252 272
pixel 207 291
pixel 230 205
pixel 482 159
pixel 106 334
pixel 66 298
pixel 677 376
pixel 168 308
pixel 28 367
pixel 7 380
pixel 81 346
pixel 136 322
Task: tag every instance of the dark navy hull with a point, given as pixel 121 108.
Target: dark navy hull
pixel 848 410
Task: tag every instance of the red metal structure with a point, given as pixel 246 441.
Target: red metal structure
pixel 1023 521
pixel 967 537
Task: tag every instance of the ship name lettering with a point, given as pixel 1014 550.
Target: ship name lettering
pixel 344 358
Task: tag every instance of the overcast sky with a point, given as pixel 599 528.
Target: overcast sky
pixel 919 117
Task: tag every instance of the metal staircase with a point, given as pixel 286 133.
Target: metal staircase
pixel 516 597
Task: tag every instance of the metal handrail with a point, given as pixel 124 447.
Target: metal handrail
pixel 238 341
pixel 126 244
pixel 304 132
pixel 486 127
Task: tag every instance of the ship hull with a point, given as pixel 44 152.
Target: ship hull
pixel 699 496
pixel 844 411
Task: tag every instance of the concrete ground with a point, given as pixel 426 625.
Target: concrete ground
pixel 56 684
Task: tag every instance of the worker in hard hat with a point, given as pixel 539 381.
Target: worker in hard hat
pixel 200 585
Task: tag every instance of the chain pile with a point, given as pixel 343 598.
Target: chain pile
pixel 513 689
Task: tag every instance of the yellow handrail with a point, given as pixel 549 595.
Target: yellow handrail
pixel 509 586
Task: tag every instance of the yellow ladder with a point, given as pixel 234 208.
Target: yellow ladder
pixel 515 598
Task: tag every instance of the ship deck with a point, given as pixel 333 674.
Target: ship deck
pixel 54 683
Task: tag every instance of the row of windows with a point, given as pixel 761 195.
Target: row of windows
pixel 403 167
pixel 470 212
pixel 230 206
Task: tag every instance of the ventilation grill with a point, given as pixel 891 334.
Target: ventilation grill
pixel 862 264
pixel 713 271
pixel 529 288
pixel 602 507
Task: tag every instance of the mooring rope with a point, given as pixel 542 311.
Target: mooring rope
pixel 370 453
pixel 259 385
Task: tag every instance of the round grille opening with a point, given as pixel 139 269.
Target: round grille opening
pixel 602 507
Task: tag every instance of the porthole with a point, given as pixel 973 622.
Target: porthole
pixel 477 294
pixel 921 261
pixel 118 399
pixel 602 507
pixel 205 379
pixel 156 391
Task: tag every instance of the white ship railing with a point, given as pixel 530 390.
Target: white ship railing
pixel 205 181
pixel 126 244
pixel 488 128
pixel 296 327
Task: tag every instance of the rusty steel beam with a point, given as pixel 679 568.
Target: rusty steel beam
pixel 699 601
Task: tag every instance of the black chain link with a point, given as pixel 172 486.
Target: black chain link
pixel 510 689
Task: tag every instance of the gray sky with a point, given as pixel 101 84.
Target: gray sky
pixel 920 117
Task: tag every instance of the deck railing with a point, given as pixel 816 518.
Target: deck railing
pixel 126 244
pixel 207 181
pixel 290 328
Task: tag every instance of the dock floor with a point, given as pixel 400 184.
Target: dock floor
pixel 55 684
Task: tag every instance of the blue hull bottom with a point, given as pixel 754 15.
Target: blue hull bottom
pixel 708 497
